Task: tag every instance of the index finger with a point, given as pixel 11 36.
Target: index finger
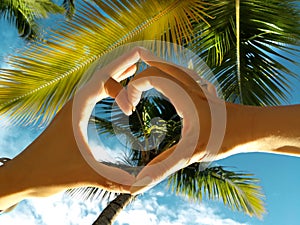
pixel 183 98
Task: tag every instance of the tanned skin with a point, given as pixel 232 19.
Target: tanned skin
pixel 54 163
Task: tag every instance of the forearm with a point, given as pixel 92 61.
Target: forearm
pixel 54 163
pixel 262 129
pixel 42 168
pixel 12 189
pixel 278 129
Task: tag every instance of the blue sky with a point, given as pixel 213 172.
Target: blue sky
pixel 279 175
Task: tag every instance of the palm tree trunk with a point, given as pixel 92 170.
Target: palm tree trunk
pixel 112 210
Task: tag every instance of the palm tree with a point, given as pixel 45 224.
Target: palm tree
pixel 24 14
pixel 208 28
pixel 76 44
pixel 248 45
pixel 240 51
pixel 238 190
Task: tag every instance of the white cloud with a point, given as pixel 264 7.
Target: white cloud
pixel 148 209
pixel 62 210
pixel 105 153
pixel 14 139
pixel 55 210
pixel 166 209
pixel 160 193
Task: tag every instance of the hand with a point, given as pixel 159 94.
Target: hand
pixel 201 109
pixel 104 83
pixel 191 101
pixel 66 160
pixel 57 159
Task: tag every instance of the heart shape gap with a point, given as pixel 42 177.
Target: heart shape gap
pixel 148 129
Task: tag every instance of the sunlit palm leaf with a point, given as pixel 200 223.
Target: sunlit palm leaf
pixel 25 13
pixel 238 190
pixel 90 193
pixel 268 31
pixel 108 120
pixel 45 75
pixel 140 130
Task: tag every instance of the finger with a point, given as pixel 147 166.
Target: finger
pixel 177 73
pixel 115 90
pixel 109 177
pixel 130 71
pixel 112 87
pixel 157 170
pixel 168 85
pixel 117 69
pixel 135 89
pixel 122 185
pixel 120 65
pixel 212 89
pixel 175 70
pixel 123 102
pixel 166 66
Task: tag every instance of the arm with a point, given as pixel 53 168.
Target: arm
pixel 225 128
pixel 60 158
pixel 248 128
pixel 272 129
pixel 54 161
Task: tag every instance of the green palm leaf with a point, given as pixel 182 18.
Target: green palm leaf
pixel 45 75
pixel 140 131
pixel 249 61
pixel 238 190
pixel 108 120
pixel 25 13
pixel 90 193
pixel 69 5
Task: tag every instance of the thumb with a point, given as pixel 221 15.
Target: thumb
pixel 124 103
pixel 134 95
pixel 136 87
pixel 115 90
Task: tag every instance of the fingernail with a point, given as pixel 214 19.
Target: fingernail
pixel 127 112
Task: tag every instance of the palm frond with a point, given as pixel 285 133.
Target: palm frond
pixel 25 13
pixel 238 190
pixel 45 75
pixel 90 193
pixel 269 32
pixel 69 6
pixel 104 126
pixel 108 120
pixel 140 130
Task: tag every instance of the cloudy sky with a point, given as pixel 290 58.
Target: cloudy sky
pixel 279 175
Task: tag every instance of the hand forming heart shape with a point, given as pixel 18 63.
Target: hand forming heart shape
pixel 193 102
pixel 60 158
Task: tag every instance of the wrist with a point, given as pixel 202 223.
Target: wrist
pixel 239 129
pixel 262 129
